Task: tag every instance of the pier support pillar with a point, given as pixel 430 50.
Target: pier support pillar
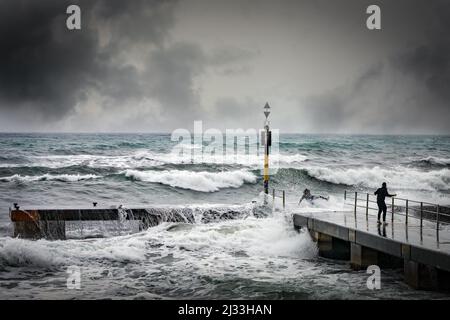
pixel 361 257
pixel 332 248
pixel 420 276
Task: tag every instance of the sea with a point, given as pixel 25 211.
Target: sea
pixel 239 257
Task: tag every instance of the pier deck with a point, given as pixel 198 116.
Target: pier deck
pixel 421 251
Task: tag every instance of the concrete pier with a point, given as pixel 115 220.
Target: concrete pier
pixel 423 255
pixel 50 223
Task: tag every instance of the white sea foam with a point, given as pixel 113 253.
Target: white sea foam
pixel 397 177
pixel 198 181
pixel 139 159
pixel 250 247
pixel 44 253
pixel 19 252
pixel 318 205
pixel 49 177
pixel 94 161
pixel 263 237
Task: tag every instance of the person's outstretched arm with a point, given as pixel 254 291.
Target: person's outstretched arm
pixel 390 195
pixel 301 199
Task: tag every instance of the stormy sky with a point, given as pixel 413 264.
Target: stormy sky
pixel 154 66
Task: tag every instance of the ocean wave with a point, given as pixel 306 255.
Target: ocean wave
pixel 15 252
pixel 320 145
pixel 396 178
pixel 249 160
pixel 436 161
pixel 91 161
pixel 246 235
pixel 18 253
pixel 198 181
pixel 49 177
pixel 148 159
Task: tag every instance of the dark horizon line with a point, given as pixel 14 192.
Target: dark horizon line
pixel 168 133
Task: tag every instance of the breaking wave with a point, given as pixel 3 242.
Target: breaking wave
pixel 433 162
pixel 437 160
pixel 145 159
pixel 250 160
pixel 49 177
pixel 399 177
pixel 19 252
pixel 198 181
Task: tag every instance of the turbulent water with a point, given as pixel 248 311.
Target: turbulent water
pixel 243 257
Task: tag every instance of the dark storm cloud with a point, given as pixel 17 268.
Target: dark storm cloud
pixel 430 62
pixel 406 93
pixel 121 56
pixel 156 65
pixel 37 65
pixel 48 69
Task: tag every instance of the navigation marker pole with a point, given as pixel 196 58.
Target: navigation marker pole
pixel 266 141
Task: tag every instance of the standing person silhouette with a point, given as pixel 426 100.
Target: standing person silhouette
pixel 382 193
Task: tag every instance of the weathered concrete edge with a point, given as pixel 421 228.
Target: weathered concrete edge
pixel 64 214
pixel 396 248
pixel 325 227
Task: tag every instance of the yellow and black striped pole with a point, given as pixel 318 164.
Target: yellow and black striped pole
pixel 267 142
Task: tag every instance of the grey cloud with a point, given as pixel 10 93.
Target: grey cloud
pixel 227 55
pixel 47 69
pixel 172 71
pixel 231 61
pixel 408 92
pixel 429 63
pixel 38 66
pixel 130 67
pixel 229 112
